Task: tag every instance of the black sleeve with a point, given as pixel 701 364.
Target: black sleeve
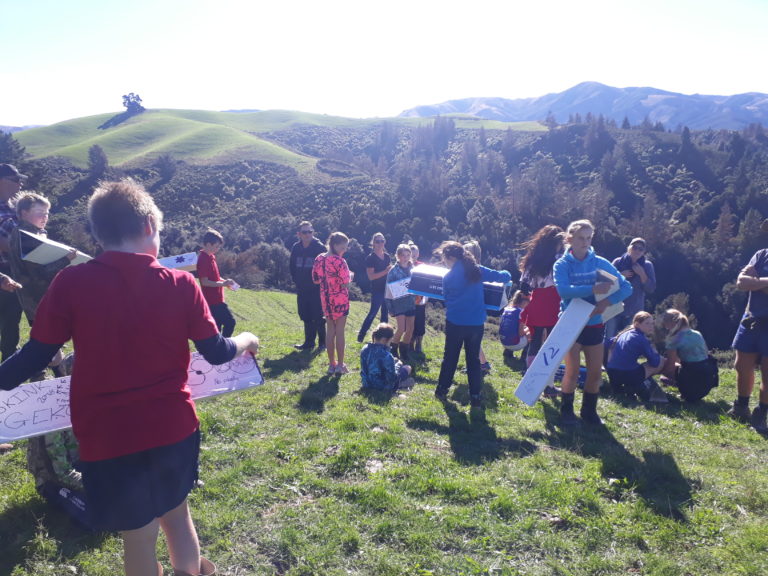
pixel 31 359
pixel 216 349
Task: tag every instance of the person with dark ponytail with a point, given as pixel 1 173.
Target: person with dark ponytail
pixel 464 316
pixel 540 316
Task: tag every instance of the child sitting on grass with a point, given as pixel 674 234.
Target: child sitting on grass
pixel 379 369
pixel 512 332
pixel 624 372
pixel 689 365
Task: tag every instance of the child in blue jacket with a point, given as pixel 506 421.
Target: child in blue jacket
pixel 577 275
pixel 379 369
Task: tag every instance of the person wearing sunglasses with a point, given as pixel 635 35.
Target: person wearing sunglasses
pixel 635 267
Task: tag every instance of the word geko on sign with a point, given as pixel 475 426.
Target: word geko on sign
pixel 42 407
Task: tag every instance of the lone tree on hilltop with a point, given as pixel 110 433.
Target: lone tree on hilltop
pixel 133 103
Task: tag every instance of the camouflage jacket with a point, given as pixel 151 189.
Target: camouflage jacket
pixel 35 278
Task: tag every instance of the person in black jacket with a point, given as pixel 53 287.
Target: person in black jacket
pixel 303 255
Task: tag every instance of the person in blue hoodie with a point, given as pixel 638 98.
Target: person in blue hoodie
pixel 577 275
pixel 464 317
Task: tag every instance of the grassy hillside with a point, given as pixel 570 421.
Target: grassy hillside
pixel 308 476
pixel 198 136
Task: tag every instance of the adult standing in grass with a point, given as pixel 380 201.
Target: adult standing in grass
pixel 11 181
pixel 403 307
pixel 131 318
pixel 540 316
pixel 635 267
pixel 751 341
pixel 577 275
pixel 331 273
pixel 303 254
pixel 465 317
pixel 377 265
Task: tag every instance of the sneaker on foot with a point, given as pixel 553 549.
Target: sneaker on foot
pixel 568 419
pixel 740 413
pixel 331 368
pixel 758 420
pixel 592 418
pixel 342 369
pixel 441 393
pixel 321 348
pixel 551 392
pixel 486 368
pixel 305 346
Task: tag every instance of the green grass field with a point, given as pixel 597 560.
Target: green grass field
pixel 199 136
pixel 306 475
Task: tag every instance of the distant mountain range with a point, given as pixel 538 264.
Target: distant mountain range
pixel 697 111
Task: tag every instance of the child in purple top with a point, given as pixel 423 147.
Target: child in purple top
pixel 624 371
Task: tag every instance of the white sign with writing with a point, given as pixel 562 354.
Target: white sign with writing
pixel 186 261
pixel 398 288
pixel 41 250
pixel 550 356
pixel 38 408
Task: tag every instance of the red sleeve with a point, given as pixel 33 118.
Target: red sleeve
pixel 53 319
pixel 204 268
pixel 201 324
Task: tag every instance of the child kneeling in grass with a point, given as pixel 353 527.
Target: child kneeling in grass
pixel 624 372
pixel 379 369
pixel 130 320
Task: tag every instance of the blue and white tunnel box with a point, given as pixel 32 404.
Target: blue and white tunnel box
pixel 427 280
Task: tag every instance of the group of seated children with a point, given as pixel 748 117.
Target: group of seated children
pixel 687 365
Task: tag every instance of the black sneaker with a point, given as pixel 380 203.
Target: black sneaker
pixel 441 393
pixel 758 420
pixel 568 419
pixel 305 346
pixel 740 413
pixel 551 392
pixel 591 418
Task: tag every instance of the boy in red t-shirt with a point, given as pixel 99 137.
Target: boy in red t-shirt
pixel 213 284
pixel 130 320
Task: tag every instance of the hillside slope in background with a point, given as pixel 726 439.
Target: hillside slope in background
pixel 697 111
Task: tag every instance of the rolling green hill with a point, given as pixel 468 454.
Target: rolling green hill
pixel 202 137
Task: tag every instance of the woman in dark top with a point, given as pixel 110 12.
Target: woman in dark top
pixel 377 264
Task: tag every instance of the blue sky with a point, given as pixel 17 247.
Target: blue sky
pixel 66 59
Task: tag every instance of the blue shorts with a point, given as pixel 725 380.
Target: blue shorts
pixel 128 492
pixel 751 340
pixel 592 335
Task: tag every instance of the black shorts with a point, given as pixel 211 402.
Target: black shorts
pixel 592 335
pixel 630 381
pixel 128 492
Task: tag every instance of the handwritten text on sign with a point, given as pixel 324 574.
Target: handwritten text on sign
pixel 42 407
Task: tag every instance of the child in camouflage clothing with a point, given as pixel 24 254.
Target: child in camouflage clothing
pixel 50 458
pixel 380 370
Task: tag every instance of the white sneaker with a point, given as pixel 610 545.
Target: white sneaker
pixel 342 369
pixel 332 368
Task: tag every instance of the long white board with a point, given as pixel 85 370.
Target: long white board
pixel 41 250
pixel 38 408
pixel 550 356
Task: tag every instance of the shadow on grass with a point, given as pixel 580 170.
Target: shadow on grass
pixel 378 397
pixel 472 439
pixel 656 478
pixel 296 361
pixel 703 410
pixel 490 396
pixel 314 397
pixel 19 525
